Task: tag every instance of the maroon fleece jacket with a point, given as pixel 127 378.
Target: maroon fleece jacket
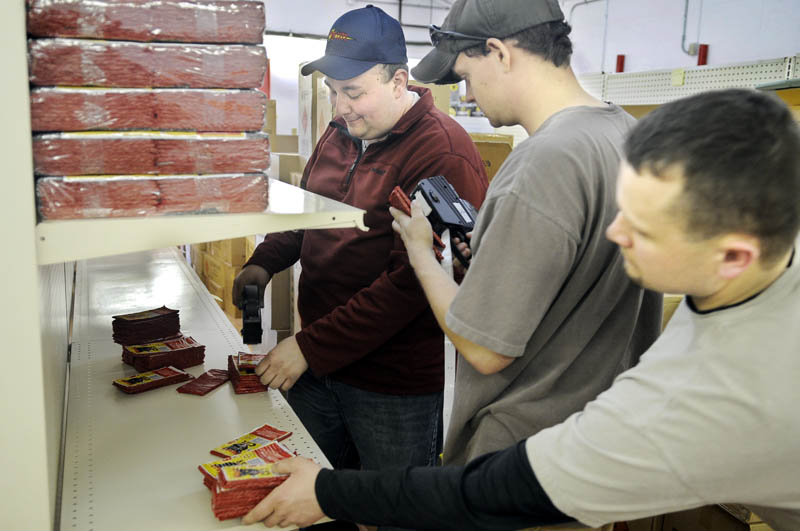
pixel 365 320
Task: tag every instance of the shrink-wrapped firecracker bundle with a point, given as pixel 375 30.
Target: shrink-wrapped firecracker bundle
pixel 211 21
pixel 83 62
pixel 147 107
pixel 87 109
pixel 141 195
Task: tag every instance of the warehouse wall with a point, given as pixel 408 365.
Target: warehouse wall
pixel 647 32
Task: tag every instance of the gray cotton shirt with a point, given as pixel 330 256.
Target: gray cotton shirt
pixel 546 286
pixel 708 416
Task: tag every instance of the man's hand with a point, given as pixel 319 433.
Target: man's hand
pixel 463 248
pixel 283 365
pixel 251 274
pixel 294 502
pixel 416 230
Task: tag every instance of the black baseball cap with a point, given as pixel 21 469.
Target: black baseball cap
pixel 359 40
pixel 471 22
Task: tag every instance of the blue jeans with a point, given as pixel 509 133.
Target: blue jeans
pixel 361 429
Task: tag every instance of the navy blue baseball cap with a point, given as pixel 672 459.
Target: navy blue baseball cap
pixel 359 40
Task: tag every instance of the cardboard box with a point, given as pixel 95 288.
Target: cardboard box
pixel 196 256
pixel 283 143
pixel 314 112
pixel 281 301
pixel 271 120
pixel 217 292
pixel 708 518
pixel 213 268
pixel 493 148
pixel 441 94
pixel 671 303
pixel 232 252
pixel 230 273
pixel 289 164
pixel 250 246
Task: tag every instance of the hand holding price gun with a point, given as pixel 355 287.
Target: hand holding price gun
pixel 444 210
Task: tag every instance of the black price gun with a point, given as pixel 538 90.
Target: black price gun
pixel 446 210
pixel 251 315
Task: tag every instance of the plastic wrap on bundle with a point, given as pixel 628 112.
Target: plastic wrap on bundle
pixel 75 109
pixel 79 63
pixel 143 195
pixel 149 152
pixel 211 21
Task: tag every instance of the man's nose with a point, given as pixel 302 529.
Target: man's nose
pixel 616 233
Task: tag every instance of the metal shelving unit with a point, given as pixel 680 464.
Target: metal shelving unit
pixel 130 461
pixel 36 376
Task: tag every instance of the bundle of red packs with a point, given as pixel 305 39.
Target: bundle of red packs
pixel 145 327
pixel 242 372
pixel 238 482
pixel 260 436
pixel 146 381
pixel 399 200
pixel 205 383
pixel 180 352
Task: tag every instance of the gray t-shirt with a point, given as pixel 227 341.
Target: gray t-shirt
pixel 710 415
pixel 546 286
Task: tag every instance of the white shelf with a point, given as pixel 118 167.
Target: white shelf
pixel 289 208
pixel 130 461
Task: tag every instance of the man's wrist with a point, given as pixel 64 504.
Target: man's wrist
pixel 420 255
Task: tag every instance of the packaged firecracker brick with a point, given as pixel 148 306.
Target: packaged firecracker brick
pixel 120 109
pixel 205 383
pixel 250 476
pixel 243 378
pixel 85 62
pixel 145 326
pixel 181 352
pixel 260 436
pixel 82 197
pixel 270 453
pixel 146 381
pixel 149 153
pixel 211 21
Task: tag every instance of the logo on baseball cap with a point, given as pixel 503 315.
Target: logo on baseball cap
pixel 359 40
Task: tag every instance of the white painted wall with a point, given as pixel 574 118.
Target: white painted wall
pixel 647 32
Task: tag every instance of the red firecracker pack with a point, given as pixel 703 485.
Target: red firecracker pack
pixel 149 153
pixel 205 383
pixel 77 109
pixel 146 326
pixel 218 21
pixel 180 352
pixel 136 196
pixel 249 477
pixel 243 378
pixel 399 200
pixel 270 453
pixel 139 383
pixel 85 62
pixel 259 437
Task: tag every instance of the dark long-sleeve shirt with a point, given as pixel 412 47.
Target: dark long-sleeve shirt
pixel 495 491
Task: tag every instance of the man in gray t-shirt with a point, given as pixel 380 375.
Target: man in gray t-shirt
pixel 545 317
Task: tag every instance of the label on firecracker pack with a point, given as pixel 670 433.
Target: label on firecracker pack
pixel 234 475
pixel 168 345
pixel 249 362
pixel 147 314
pixel 242 444
pixel 245 458
pixel 147 377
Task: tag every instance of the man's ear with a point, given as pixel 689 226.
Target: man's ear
pixel 400 81
pixel 501 51
pixel 739 251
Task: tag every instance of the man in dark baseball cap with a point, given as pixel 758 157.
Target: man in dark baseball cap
pixel 365 372
pixel 472 22
pixel 359 40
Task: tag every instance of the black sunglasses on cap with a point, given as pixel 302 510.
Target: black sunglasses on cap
pixel 437 34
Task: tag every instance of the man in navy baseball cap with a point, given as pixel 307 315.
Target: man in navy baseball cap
pixel 359 40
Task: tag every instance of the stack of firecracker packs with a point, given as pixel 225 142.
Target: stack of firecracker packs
pixel 243 475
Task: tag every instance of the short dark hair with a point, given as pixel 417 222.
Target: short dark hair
pixel 739 153
pixel 390 69
pixel 550 41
